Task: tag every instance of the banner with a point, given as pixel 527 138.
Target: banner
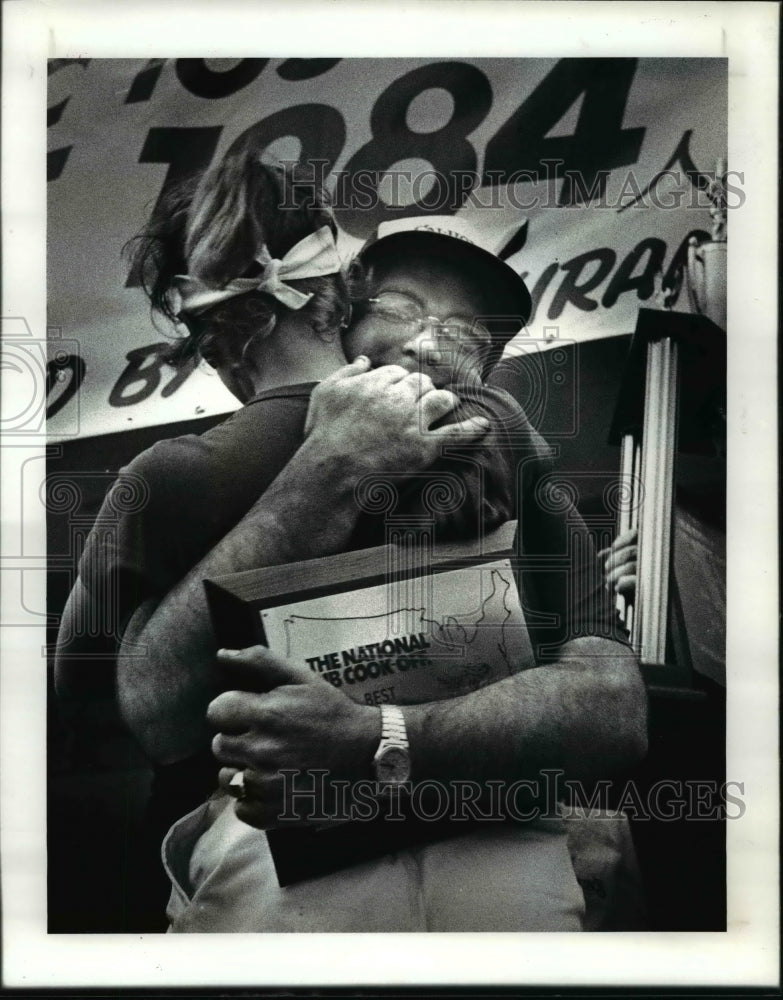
pixel 590 173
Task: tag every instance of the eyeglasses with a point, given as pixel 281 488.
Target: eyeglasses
pixel 407 316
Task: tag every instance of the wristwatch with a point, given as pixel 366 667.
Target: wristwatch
pixel 392 760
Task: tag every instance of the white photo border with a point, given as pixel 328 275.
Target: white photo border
pixel 746 33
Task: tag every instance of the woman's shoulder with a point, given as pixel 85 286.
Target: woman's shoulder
pixel 163 459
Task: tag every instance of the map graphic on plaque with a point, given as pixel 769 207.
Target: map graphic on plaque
pixel 421 639
pixel 383 625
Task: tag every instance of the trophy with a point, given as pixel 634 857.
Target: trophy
pixel 705 270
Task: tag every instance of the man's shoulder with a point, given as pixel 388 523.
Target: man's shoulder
pixel 510 424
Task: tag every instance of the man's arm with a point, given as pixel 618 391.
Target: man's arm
pixel 357 425
pixel 165 675
pixel 584 715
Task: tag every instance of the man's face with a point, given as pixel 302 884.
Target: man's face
pixel 424 314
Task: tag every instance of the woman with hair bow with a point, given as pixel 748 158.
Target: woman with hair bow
pixel 248 264
pixel 246 261
pixel 263 296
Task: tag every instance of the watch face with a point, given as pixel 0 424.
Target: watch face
pixel 393 765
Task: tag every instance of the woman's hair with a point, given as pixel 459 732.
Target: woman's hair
pixel 214 228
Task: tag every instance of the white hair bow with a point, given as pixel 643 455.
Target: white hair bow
pixel 313 257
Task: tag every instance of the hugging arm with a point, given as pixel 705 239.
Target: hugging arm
pixel 359 422
pixel 582 710
pixel 584 715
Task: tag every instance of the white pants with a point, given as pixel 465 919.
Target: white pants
pixel 502 878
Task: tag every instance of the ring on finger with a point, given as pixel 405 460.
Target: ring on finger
pixel 237 787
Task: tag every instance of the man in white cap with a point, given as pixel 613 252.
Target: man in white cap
pixel 440 304
pixel 437 272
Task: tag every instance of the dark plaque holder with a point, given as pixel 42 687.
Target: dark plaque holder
pixel 677 404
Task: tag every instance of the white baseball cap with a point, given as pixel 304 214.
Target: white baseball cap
pixel 450 237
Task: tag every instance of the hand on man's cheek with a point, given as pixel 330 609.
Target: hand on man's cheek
pixel 382 420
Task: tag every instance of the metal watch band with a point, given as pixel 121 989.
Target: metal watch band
pixel 393 726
